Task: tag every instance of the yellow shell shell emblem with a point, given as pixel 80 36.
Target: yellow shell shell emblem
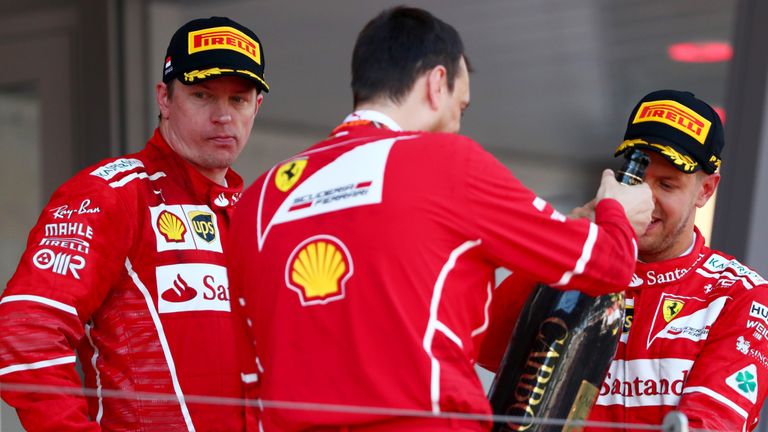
pixel 289 173
pixel 171 227
pixel 318 270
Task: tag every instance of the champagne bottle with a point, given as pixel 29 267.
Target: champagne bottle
pixel 561 348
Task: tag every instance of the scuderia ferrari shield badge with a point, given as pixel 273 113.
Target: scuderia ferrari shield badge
pixel 289 173
pixel 672 308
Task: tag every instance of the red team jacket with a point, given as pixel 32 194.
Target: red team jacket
pixel 365 266
pixel 126 265
pixel 695 339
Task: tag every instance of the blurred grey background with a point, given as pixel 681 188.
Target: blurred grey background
pixel 553 85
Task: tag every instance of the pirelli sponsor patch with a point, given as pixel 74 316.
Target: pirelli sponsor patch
pixel 116 167
pixel 224 38
pixel 676 115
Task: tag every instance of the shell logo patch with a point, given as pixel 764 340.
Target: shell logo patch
pixel 202 225
pixel 289 173
pixel 185 227
pixel 171 227
pixel 672 308
pixel 318 270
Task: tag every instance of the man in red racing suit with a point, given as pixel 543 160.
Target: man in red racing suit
pixel 365 263
pixel 695 335
pixel 695 340
pixel 126 266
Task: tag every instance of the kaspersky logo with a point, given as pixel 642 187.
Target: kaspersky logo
pixel 745 382
pixel 224 38
pixel 676 115
pixel 318 270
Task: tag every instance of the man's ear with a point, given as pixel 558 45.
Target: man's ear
pixel 437 85
pixel 161 95
pixel 707 188
pixel 259 100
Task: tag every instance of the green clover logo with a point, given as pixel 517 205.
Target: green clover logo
pixel 746 382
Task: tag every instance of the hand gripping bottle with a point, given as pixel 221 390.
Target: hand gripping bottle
pixel 561 348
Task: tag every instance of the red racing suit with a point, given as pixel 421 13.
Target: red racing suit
pixel 125 265
pixel 365 266
pixel 695 340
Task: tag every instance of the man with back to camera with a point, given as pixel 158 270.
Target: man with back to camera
pixel 126 262
pixel 364 265
pixel 696 319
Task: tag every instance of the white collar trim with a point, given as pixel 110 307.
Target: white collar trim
pixel 374 116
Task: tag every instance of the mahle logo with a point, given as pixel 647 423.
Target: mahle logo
pixel 318 270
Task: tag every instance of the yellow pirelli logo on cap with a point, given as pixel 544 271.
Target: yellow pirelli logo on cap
pixel 676 115
pixel 224 38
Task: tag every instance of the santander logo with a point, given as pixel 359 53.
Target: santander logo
pixel 180 292
pixel 192 287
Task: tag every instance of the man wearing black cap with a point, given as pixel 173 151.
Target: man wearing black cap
pixel 126 265
pixel 696 329
pixel 695 335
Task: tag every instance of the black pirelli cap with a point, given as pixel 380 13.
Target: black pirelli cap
pixel 210 48
pixel 682 128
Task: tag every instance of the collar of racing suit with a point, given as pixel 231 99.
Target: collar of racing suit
pixel 661 273
pixel 206 190
pixel 367 118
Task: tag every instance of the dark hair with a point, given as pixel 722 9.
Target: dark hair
pixel 396 47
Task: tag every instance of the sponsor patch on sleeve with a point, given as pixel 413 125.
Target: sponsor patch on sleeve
pixel 744 382
pixel 116 167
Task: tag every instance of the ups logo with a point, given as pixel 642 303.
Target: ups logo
pixel 202 225
pixel 629 316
